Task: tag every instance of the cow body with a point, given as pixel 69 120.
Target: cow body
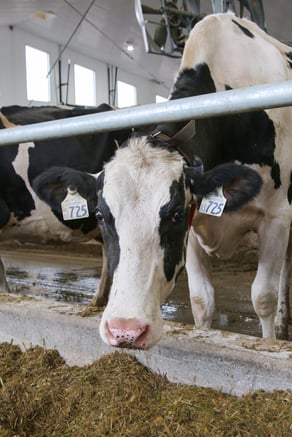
pixel 23 216
pixel 225 52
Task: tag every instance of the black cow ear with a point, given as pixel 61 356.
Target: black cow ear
pixel 240 184
pixel 52 186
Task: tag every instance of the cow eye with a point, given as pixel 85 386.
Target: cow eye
pixel 178 216
pixel 99 216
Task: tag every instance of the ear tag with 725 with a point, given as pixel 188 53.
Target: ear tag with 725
pixel 74 206
pixel 213 203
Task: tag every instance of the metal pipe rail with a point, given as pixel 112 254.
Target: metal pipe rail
pixel 215 104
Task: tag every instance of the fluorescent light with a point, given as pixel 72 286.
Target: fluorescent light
pixel 130 46
pixel 44 15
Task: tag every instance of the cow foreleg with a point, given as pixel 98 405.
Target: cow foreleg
pixel 264 290
pixel 283 310
pixel 198 268
pixel 4 287
pixel 102 293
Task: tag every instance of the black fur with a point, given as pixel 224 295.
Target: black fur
pixel 109 234
pixel 289 193
pixel 289 58
pixel 247 137
pixel 51 187
pixel 240 184
pixel 244 29
pixel 276 174
pixel 171 229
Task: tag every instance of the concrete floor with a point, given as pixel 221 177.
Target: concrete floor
pixel 70 276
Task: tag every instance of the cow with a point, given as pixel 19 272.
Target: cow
pixel 23 216
pixel 143 193
pixel 222 53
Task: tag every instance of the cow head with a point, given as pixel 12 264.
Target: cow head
pixel 144 197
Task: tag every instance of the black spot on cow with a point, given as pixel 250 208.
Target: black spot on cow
pixel 289 193
pixel 289 59
pixel 276 174
pixel 35 114
pixel 244 29
pixel 189 83
pixel 109 233
pixel 193 82
pixel 15 199
pixel 172 228
pixel 248 137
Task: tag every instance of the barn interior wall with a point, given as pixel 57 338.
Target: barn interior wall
pixel 13 72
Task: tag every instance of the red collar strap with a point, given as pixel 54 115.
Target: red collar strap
pixel 192 213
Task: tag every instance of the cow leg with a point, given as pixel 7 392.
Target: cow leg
pixel 273 242
pixel 102 293
pixel 283 310
pixel 201 290
pixel 4 287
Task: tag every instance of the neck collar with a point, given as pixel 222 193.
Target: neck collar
pixel 180 140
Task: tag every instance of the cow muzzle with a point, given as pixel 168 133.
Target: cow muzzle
pixel 128 333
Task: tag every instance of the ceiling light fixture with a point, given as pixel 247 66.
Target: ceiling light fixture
pixel 130 46
pixel 44 15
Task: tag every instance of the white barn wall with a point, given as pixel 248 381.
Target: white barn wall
pixel 13 73
pixel 100 73
pixel 7 70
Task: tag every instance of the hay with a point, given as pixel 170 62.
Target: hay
pixel 116 396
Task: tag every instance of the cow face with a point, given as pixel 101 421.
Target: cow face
pixel 144 196
pixel 143 210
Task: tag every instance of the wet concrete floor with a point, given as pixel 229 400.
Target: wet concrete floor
pixel 65 274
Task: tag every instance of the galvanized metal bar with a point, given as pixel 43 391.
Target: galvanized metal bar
pixel 208 105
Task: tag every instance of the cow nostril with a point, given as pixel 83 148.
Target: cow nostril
pixel 129 333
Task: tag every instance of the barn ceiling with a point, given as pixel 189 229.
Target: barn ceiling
pixel 110 24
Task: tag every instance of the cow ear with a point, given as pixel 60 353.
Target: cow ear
pixel 52 186
pixel 240 184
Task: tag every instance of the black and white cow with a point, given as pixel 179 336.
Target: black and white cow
pixel 23 216
pixel 224 52
pixel 145 192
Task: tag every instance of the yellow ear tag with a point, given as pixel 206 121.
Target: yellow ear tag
pixel 213 203
pixel 74 206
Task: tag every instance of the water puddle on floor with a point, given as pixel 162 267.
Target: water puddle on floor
pixel 74 277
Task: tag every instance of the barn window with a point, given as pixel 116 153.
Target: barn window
pixel 84 82
pixel 160 99
pixel 127 94
pixel 37 79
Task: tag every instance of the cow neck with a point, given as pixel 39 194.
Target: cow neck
pixel 180 140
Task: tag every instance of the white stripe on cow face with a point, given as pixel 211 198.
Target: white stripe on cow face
pixel 141 192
